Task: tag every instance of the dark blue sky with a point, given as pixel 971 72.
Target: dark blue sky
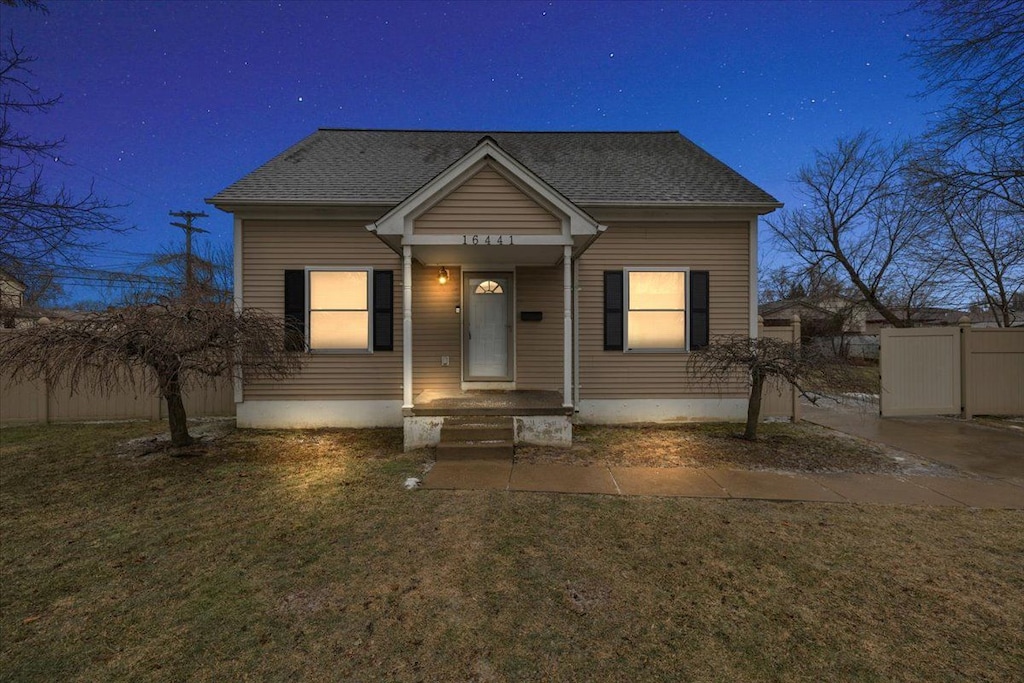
pixel 165 103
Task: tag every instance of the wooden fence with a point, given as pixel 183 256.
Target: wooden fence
pixel 952 370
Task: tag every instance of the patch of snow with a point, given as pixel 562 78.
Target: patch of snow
pixel 412 483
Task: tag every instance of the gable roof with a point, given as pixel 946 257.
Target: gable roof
pixel 487 154
pixel 337 166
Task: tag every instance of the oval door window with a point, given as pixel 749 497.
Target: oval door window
pixel 488 287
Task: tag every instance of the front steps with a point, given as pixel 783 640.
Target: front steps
pixel 476 438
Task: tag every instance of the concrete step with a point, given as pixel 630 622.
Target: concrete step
pixel 460 433
pixel 475 450
pixel 475 437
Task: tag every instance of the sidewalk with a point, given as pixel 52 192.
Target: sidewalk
pixel 728 483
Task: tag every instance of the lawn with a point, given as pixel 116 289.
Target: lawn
pixel 298 555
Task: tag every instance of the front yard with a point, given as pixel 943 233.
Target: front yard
pixel 298 555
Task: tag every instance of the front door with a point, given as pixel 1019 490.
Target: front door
pixel 487 327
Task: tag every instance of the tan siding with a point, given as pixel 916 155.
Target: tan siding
pixel 539 344
pixel 488 203
pixel 271 247
pixel 436 330
pixel 720 248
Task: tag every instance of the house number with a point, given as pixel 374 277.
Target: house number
pixel 487 239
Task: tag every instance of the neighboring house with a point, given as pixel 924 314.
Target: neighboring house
pixel 849 314
pixel 12 298
pixel 571 274
pixel 12 291
pixel 925 316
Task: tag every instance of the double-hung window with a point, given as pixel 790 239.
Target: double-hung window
pixel 656 303
pixel 661 309
pixel 339 309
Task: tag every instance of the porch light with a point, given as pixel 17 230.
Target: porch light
pixel 442 275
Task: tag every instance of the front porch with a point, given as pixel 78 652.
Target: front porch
pixel 433 403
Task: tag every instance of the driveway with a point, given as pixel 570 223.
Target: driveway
pixel 988 451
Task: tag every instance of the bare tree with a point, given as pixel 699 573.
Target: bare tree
pixel 179 343
pixel 973 51
pixel 764 359
pixel 860 218
pixel 41 228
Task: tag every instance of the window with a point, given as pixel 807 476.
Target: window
pixel 489 287
pixel 655 310
pixel 339 310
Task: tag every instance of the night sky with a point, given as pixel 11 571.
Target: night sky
pixel 166 103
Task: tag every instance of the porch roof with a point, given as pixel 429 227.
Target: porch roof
pixel 383 167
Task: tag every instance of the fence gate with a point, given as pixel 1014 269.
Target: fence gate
pixel 920 371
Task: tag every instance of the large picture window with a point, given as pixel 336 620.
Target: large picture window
pixel 655 310
pixel 339 310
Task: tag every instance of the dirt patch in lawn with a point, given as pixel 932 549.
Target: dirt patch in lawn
pixel 802 447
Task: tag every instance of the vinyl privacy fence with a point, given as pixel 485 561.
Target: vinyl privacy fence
pixel 952 370
pixel 38 402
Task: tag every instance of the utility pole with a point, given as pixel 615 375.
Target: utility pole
pixel 189 229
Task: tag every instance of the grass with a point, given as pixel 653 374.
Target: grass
pixel 780 446
pixel 298 555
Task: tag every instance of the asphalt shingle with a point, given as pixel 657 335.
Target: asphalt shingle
pixel 385 166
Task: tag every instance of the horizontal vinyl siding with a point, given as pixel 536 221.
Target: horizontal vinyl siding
pixel 436 330
pixel 720 248
pixel 488 203
pixel 271 247
pixel 539 344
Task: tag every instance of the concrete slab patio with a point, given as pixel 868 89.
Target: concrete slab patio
pixel 966 446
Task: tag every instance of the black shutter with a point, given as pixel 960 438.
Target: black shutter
pixel 295 310
pixel 699 315
pixel 613 303
pixel 383 310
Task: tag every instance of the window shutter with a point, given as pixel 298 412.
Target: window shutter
pixel 699 314
pixel 613 303
pixel 295 310
pixel 383 310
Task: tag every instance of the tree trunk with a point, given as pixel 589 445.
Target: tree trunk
pixel 754 406
pixel 176 418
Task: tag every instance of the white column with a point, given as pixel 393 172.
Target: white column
pixel 407 327
pixel 567 327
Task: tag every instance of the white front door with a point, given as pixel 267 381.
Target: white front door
pixel 488 326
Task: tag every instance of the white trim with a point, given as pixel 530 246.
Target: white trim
pixel 685 270
pixel 670 410
pixel 753 278
pixel 567 327
pixel 236 279
pixel 286 414
pixel 369 307
pixel 407 327
pixel 398 221
pixel 456 239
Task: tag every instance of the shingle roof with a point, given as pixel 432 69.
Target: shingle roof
pixel 386 166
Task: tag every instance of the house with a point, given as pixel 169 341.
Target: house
pixel 836 314
pixel 12 291
pixel 12 298
pixel 549 276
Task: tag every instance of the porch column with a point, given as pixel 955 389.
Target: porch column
pixel 567 327
pixel 407 327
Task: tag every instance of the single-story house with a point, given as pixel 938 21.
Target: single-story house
pixel 556 277
pixel 849 315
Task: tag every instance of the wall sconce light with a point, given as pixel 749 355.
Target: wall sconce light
pixel 442 275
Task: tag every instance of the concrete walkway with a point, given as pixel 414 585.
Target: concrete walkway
pixel 728 483
pixel 987 451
